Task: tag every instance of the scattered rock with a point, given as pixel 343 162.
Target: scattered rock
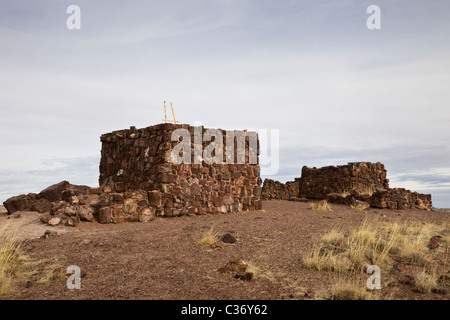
pixel 84 242
pixel 55 192
pixel 70 210
pixel 45 219
pixel 441 291
pixel 74 200
pixel 86 213
pixel 445 278
pixel 399 268
pixel 407 279
pixel 42 205
pixel 392 284
pixel 434 242
pixel 215 245
pixel 309 294
pixel 154 198
pixel 14 216
pixel 70 222
pixel 104 215
pixel 234 266
pixel 147 214
pixel 58 207
pixel 95 190
pixel 20 203
pixel 54 221
pixel 238 267
pixel 246 276
pixel 49 233
pixel 228 238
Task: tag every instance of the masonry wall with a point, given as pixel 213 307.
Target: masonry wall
pixel 277 190
pixel 365 177
pixel 139 159
pixel 347 184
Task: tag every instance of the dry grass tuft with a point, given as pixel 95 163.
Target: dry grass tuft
pixel 252 268
pixel 359 207
pixel 334 236
pixel 210 237
pixel 377 243
pixel 321 259
pixel 10 256
pixel 322 205
pixel 16 267
pixel 367 190
pixel 350 290
pixel 426 282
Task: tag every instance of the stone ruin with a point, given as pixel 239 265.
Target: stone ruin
pixel 138 179
pixel 140 160
pixel 273 189
pixel 347 184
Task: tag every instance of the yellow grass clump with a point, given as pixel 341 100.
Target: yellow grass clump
pixel 210 237
pixel 378 243
pixel 321 259
pixel 349 291
pixel 335 235
pixel 16 267
pixel 322 205
pixel 359 207
pixel 9 259
pixel 425 282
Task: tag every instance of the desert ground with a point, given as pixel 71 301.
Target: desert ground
pixel 162 259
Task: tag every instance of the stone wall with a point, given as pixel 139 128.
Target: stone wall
pixel 277 190
pixel 400 198
pixel 347 184
pixel 139 159
pixel 365 177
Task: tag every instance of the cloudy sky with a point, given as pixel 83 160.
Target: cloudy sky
pixel 337 91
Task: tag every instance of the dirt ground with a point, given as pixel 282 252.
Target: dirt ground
pixel 162 260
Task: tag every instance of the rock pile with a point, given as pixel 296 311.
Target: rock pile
pixel 239 268
pixel 67 204
pixel 43 201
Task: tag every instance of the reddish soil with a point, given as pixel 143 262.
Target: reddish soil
pixel 162 260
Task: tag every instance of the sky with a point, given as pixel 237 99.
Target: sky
pixel 337 91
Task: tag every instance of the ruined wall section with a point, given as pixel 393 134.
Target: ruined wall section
pixel 139 159
pixel 363 177
pixel 277 190
pixel 347 184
